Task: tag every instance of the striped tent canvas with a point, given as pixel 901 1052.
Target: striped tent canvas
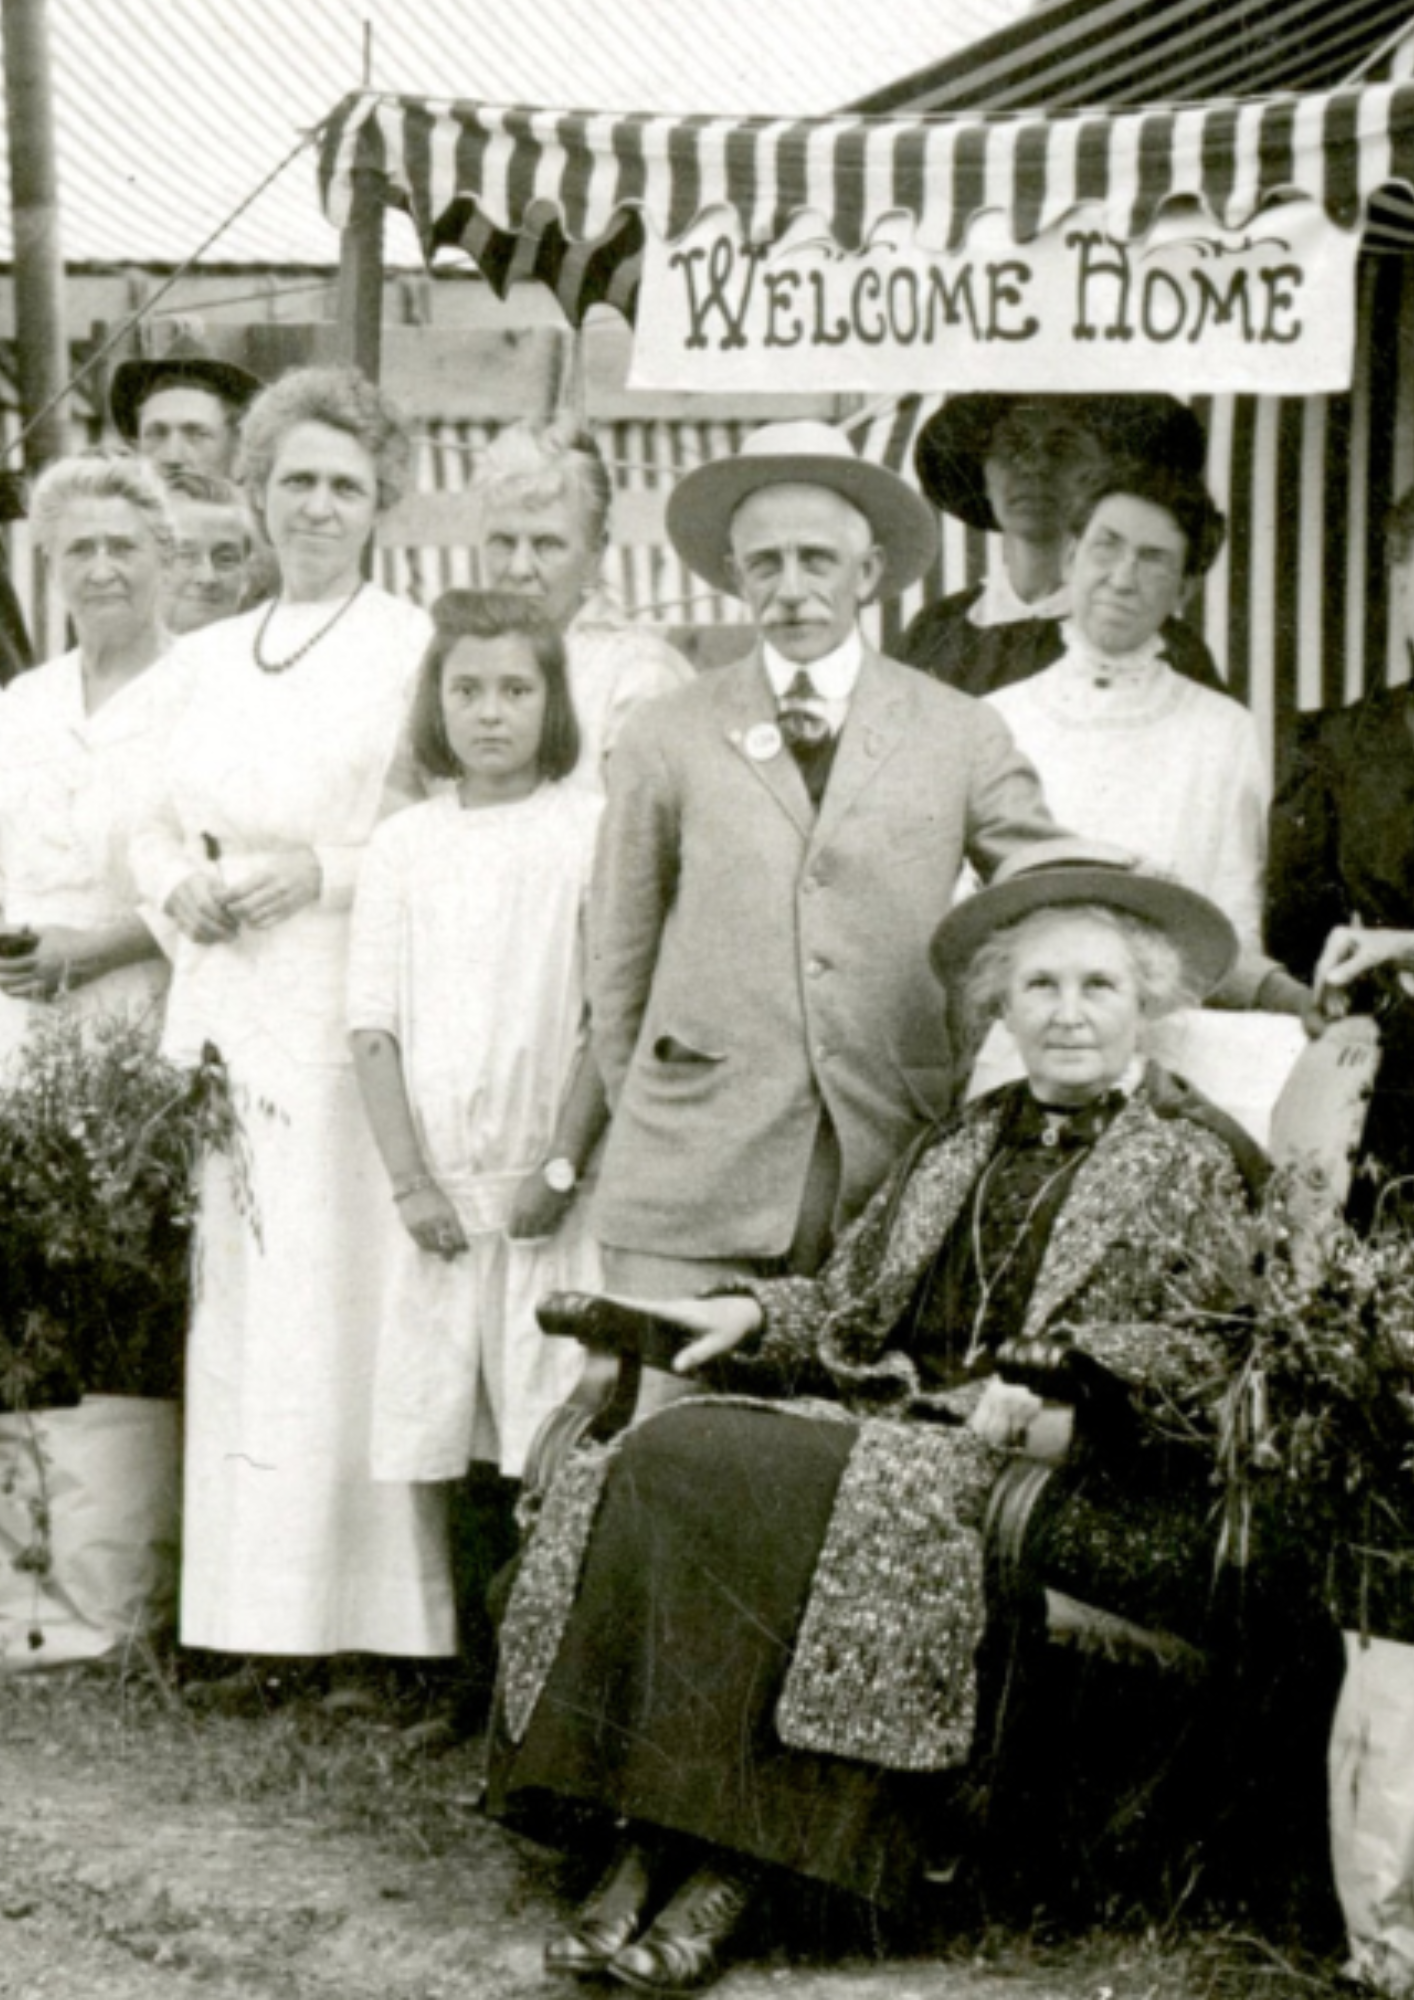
pixel 1295 610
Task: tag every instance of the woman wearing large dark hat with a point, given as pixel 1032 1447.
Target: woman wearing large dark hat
pixel 747 1632
pixel 1018 466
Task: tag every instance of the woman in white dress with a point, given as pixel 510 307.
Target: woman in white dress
pixel 1130 751
pixel 542 494
pixel 1127 749
pixel 79 738
pixel 279 769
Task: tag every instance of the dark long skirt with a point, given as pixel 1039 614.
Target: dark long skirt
pixel 661 1701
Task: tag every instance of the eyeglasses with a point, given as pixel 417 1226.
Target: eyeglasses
pixel 225 561
pixel 1154 565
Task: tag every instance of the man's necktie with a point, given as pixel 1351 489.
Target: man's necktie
pixel 807 732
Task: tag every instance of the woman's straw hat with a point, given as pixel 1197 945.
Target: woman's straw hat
pixel 1052 874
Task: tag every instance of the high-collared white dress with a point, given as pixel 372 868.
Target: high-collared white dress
pixel 290 1545
pixel 71 785
pixel 1130 751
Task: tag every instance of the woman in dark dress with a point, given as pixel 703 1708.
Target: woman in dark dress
pixel 1018 466
pixel 748 1628
pixel 1340 883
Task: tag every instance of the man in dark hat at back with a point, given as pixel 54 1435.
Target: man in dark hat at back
pixel 781 840
pixel 1020 466
pixel 181 409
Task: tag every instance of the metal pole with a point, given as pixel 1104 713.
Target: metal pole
pixel 34 207
pixel 360 300
pixel 359 307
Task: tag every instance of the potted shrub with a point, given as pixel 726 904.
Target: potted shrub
pixel 100 1144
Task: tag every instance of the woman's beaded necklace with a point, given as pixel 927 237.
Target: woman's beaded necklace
pixel 293 659
pixel 987 1281
pixel 1070 1131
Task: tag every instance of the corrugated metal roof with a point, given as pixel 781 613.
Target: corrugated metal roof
pixel 1080 52
pixel 171 112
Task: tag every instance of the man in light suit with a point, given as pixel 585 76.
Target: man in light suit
pixel 776 855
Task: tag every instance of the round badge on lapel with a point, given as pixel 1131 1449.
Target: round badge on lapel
pixel 763 742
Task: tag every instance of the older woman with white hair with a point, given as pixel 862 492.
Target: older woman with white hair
pixel 746 1632
pixel 79 741
pixel 542 494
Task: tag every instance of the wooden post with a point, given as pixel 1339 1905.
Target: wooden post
pixel 360 309
pixel 34 207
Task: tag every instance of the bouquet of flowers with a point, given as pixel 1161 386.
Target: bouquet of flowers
pixel 1317 1424
pixel 100 1142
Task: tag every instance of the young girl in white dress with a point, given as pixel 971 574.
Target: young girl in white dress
pixel 467 1015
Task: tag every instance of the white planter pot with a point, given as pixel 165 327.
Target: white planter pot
pixel 1372 1811
pixel 89 1513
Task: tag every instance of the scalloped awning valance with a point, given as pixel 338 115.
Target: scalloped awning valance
pixel 565 197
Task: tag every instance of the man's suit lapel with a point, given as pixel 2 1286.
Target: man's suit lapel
pixel 748 709
pixel 872 731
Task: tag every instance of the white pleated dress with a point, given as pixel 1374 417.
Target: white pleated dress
pixel 290 1546
pixel 468 947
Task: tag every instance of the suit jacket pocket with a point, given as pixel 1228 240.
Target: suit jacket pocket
pixel 674 1052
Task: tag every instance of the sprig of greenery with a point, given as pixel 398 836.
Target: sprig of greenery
pixel 101 1143
pixel 1316 1427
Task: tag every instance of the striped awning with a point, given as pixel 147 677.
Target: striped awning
pixel 565 196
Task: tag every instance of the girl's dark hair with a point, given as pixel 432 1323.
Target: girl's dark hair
pixel 493 614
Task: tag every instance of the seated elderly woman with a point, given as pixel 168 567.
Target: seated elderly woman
pixel 748 1627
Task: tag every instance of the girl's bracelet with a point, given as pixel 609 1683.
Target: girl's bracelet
pixel 414 1184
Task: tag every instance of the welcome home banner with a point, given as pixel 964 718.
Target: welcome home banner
pixel 1191 307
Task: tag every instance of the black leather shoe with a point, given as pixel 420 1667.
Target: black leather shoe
pixel 683 1950
pixel 607 1921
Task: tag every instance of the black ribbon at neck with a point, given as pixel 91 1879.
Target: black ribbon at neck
pixel 1061 1127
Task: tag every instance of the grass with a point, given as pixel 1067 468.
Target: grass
pixel 298 1763
pixel 358 1775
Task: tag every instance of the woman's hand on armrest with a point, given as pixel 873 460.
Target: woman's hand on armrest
pixel 720 1325
pixel 1005 1412
pixel 1049 1435
pixel 1019 1419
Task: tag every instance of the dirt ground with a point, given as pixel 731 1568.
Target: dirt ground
pixel 144 1856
